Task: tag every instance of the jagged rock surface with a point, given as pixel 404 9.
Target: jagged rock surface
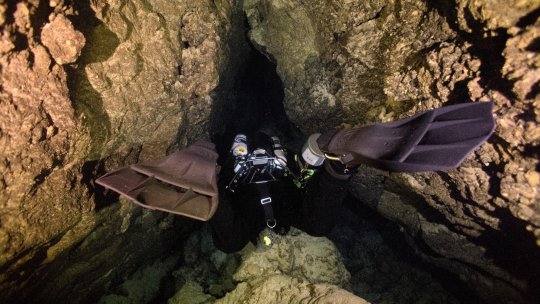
pixel 41 141
pixel 86 87
pixel 379 273
pixel 383 269
pixel 290 290
pixel 62 40
pixel 298 268
pixel 338 54
pixel 349 63
pixel 299 255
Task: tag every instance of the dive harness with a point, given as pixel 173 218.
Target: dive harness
pixel 261 167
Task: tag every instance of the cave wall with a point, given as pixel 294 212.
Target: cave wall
pixel 349 63
pixel 87 87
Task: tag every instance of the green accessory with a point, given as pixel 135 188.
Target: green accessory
pixel 300 181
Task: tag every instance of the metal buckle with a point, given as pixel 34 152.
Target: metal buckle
pixel 332 157
pixel 266 200
pixel 271 224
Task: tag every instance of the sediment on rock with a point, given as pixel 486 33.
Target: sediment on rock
pixel 91 86
pixel 87 87
pixel 303 268
pixel 358 63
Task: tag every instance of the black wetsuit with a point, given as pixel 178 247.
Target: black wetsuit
pixel 240 216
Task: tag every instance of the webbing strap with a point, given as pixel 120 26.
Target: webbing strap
pixel 266 202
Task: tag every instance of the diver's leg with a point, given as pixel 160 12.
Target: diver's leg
pixel 323 198
pixel 230 231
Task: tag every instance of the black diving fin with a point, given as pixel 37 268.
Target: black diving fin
pixel 435 140
pixel 183 183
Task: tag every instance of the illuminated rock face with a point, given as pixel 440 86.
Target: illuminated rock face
pixel 86 88
pixel 351 63
pixel 304 269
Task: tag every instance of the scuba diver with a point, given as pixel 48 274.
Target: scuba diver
pixel 261 184
pixel 264 185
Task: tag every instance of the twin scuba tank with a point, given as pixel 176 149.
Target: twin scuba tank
pixel 310 159
pixel 240 151
pixel 266 163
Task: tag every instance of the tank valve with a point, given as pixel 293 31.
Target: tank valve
pixel 311 152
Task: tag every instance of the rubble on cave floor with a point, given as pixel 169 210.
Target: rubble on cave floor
pixel 354 265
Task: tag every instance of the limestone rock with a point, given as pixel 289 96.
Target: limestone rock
pixel 298 268
pixel 62 40
pixel 131 68
pixel 204 265
pixel 276 289
pixel 40 143
pixel 452 251
pixel 143 286
pixel 376 252
pixel 191 293
pixel 140 86
pixel 489 12
pixel 359 63
pixel 342 54
pixel 522 64
pixel 299 255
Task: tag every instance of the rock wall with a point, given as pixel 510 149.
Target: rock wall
pixel 304 269
pixel 89 86
pixel 86 87
pixel 348 63
pixel 41 137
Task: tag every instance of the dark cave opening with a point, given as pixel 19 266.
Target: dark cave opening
pixel 254 103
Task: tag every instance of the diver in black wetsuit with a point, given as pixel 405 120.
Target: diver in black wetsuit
pixel 261 185
pixel 304 195
pixel 270 187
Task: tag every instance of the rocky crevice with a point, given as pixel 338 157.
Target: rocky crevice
pixel 86 87
pixel 415 56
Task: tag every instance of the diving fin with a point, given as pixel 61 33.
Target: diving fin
pixel 435 140
pixel 183 183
